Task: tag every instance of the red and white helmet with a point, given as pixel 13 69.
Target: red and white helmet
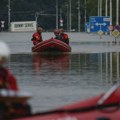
pixel 4 50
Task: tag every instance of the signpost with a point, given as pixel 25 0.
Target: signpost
pixel 100 33
pixel 61 23
pixel 117 27
pixel 2 25
pixel 99 23
pixel 116 34
pixel 87 27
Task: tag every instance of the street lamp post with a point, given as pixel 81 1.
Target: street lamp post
pixel 70 24
pixel 106 8
pixel 110 12
pixel 117 12
pixel 78 15
pixel 57 19
pixel 98 7
pixel 9 15
pixel 85 13
pixel 111 16
pixel 36 19
pixel 67 17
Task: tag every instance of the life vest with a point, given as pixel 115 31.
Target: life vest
pixel 58 37
pixel 36 38
pixel 3 80
pixel 7 80
pixel 65 38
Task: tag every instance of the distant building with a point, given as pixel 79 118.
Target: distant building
pixel 23 26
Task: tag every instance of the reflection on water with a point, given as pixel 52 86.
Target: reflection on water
pixel 52 62
pixel 60 79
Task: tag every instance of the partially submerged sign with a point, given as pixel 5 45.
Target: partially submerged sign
pixel 100 33
pixel 116 33
pixel 23 26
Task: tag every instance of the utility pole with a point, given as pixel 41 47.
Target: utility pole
pixel 70 24
pixel 78 15
pixel 117 12
pixel 36 19
pixel 110 12
pixel 57 19
pixel 9 15
pixel 60 14
pixel 106 8
pixel 67 17
pixel 85 13
pixel 111 16
pixel 98 7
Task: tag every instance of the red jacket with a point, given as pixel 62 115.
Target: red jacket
pixel 36 38
pixel 7 80
pixel 65 38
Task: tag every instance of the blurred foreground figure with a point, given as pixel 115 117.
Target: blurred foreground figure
pixel 7 80
pixel 12 102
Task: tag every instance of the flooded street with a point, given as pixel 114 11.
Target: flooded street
pixel 58 79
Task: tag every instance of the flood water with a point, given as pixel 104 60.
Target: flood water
pixel 58 79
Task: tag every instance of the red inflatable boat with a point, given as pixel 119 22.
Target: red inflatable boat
pixel 51 45
pixel 102 107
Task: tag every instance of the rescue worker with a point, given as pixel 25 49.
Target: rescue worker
pixel 37 37
pixel 64 36
pixel 8 83
pixel 57 34
pixel 7 80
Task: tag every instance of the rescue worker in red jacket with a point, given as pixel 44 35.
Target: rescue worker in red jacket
pixel 37 37
pixel 8 83
pixel 7 80
pixel 64 36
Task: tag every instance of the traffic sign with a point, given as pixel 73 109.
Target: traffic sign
pixel 116 33
pixel 2 24
pixel 61 23
pixel 87 27
pixel 110 28
pixel 99 23
pixel 117 27
pixel 100 32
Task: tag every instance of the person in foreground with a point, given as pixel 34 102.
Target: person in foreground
pixel 37 36
pixel 8 84
pixel 64 37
